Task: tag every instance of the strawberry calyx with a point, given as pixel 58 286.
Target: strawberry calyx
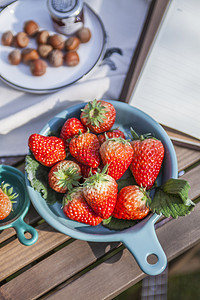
pixel 117 139
pixel 7 189
pixel 68 196
pixel 142 137
pixel 78 134
pixel 97 177
pixel 146 197
pixel 68 178
pixel 94 113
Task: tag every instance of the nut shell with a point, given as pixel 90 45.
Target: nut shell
pixel 42 37
pixel 56 58
pixel 72 43
pixel 38 67
pixel 56 41
pixel 31 27
pixel 44 50
pixel 29 54
pixel 84 34
pixel 14 57
pixel 71 58
pixel 7 38
pixel 21 40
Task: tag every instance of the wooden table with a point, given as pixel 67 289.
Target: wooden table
pixel 60 267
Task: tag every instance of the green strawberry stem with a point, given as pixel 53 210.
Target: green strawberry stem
pixel 68 178
pixel 97 177
pixel 8 190
pixel 68 196
pixel 134 134
pixel 146 197
pixel 118 139
pixel 142 137
pixel 94 113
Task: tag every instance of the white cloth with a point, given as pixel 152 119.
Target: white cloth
pixel 22 113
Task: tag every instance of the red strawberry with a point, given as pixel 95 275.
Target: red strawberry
pixel 76 208
pixel 48 150
pixel 64 175
pixel 100 192
pixel 117 153
pixel 71 128
pixel 115 133
pixel 6 197
pixel 131 203
pixel 148 155
pixel 98 116
pixel 85 148
pixel 88 171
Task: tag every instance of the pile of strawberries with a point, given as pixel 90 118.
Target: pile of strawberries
pixel 87 160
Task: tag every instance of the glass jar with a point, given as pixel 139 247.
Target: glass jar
pixel 67 15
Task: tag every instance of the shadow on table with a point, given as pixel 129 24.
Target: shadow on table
pixel 107 249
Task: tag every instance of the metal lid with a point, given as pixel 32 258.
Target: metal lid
pixel 65 8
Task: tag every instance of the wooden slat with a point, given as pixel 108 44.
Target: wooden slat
pixel 120 272
pixel 105 281
pixel 11 160
pixel 193 177
pixel 63 264
pixel 15 256
pixel 182 139
pixel 186 157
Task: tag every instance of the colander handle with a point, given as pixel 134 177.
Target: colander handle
pixel 21 228
pixel 144 242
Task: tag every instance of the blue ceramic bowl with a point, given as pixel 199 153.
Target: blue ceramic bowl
pixel 140 239
pixel 15 178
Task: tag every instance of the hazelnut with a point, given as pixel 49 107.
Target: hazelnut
pixel 56 58
pixel 72 43
pixel 29 54
pixel 7 38
pixel 31 27
pixel 14 57
pixel 71 58
pixel 44 50
pixel 56 41
pixel 38 67
pixel 14 42
pixel 21 40
pixel 42 37
pixel 84 34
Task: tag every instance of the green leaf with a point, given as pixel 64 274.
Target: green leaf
pixel 38 177
pixel 177 187
pixel 170 205
pixel 122 182
pixel 118 224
